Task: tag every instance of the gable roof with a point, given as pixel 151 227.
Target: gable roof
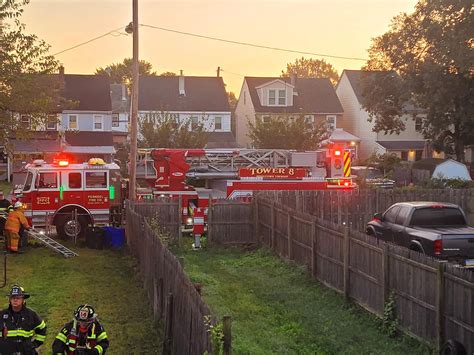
pixel 92 91
pixel 315 95
pixel 403 145
pixel 203 94
pixel 89 139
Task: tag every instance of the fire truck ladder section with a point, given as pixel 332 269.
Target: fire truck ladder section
pixel 51 243
pixel 221 160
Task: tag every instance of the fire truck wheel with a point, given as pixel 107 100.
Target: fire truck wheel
pixel 67 228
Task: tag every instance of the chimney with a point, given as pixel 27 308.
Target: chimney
pixel 182 92
pixel 218 72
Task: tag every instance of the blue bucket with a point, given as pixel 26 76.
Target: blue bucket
pixel 114 237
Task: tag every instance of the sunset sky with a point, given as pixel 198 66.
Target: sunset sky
pixel 332 27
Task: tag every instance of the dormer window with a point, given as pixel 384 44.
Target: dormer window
pixel 277 97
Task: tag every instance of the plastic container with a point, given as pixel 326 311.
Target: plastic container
pixel 114 237
pixel 95 238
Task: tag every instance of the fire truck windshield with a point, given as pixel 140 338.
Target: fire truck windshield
pixel 28 181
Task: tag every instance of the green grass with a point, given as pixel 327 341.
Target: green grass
pixel 6 187
pixel 106 279
pixel 278 308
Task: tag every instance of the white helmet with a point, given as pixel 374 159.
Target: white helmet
pixel 17 204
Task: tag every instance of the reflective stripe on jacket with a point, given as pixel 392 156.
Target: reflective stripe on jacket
pixel 15 220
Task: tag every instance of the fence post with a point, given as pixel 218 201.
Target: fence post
pixel 346 248
pixel 272 241
pixel 168 341
pixel 180 219
pixel 440 305
pixel 290 252
pixel 314 236
pixel 386 272
pixel 227 329
pixel 209 221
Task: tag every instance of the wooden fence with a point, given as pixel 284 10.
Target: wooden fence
pixel 434 301
pixel 172 295
pixel 355 208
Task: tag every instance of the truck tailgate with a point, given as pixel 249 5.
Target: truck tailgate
pixel 458 245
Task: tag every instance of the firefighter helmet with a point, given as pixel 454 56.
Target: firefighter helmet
pixel 85 313
pixel 18 204
pixel 18 291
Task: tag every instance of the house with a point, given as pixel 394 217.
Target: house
pixel 267 97
pixel 196 98
pixel 83 145
pixel 435 168
pixel 408 145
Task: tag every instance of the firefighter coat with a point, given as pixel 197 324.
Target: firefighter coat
pixel 70 338
pixel 15 220
pixel 21 331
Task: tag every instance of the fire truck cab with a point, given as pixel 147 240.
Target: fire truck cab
pixel 71 196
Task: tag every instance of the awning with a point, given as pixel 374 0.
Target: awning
pixel 339 135
pixel 403 145
pixel 89 149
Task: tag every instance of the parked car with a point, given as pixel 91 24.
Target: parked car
pixel 432 228
pixel 367 175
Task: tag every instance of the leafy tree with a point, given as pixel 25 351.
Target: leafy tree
pixel 122 72
pixel 311 68
pixel 24 63
pixel 164 130
pixel 168 73
pixel 426 60
pixel 282 132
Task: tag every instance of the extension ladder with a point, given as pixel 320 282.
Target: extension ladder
pixel 51 243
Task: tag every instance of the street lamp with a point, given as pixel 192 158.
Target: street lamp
pixel 132 27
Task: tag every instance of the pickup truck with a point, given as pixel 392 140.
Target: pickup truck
pixel 432 228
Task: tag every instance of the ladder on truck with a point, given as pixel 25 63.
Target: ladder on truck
pixel 51 243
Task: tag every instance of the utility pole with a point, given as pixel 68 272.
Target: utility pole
pixel 134 118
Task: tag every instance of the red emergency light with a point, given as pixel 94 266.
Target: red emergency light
pixel 337 152
pixel 63 163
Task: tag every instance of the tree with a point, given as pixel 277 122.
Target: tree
pixel 122 72
pixel 168 73
pixel 425 60
pixel 164 130
pixel 283 132
pixel 311 68
pixel 24 63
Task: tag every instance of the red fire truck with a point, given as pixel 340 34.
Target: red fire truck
pixel 71 196
pixel 236 173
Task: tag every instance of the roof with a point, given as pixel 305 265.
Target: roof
pixel 89 139
pixel 202 94
pixel 221 140
pixel 91 91
pixel 339 135
pixel 120 98
pixel 315 95
pixel 36 141
pixel 421 204
pixel 403 145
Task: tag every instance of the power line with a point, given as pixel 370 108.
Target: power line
pixel 92 40
pixel 252 44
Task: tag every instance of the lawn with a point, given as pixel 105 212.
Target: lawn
pixel 278 308
pixel 103 278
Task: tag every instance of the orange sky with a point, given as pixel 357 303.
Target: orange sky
pixel 337 27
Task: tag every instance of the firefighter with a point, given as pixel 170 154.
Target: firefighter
pixel 15 220
pixel 5 206
pixel 83 335
pixel 23 331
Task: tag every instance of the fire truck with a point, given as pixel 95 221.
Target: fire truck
pixel 198 175
pixel 71 196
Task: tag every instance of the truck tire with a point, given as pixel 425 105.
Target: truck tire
pixel 65 227
pixel 452 347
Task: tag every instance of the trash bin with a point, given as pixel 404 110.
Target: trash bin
pixel 95 237
pixel 114 237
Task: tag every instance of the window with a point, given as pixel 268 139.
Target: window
pixel 96 179
pixel 25 121
pixel 72 122
pixel 404 155
pixel 282 97
pixel 28 181
pixel 331 122
pixel 391 214
pixel 115 120
pixel 218 123
pixel 438 216
pixel 47 181
pixel 309 120
pixel 418 123
pixel 51 123
pixel 272 97
pixel 98 123
pixel 266 119
pixel 75 180
pixel 402 215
